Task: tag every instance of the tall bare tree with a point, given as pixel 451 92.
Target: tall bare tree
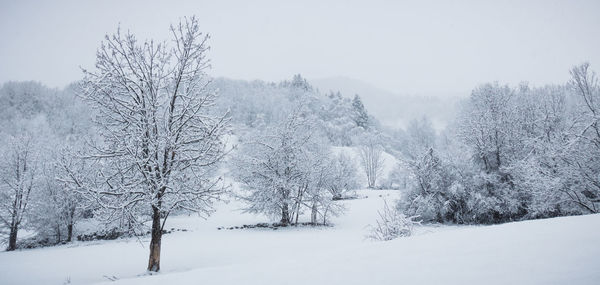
pixel 584 148
pixel 161 136
pixel 371 155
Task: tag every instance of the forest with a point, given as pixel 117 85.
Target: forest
pixel 147 135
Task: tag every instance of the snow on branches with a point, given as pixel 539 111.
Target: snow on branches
pixel 287 168
pixel 161 139
pixel 392 224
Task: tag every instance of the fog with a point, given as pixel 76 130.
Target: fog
pixel 427 48
pixel 322 142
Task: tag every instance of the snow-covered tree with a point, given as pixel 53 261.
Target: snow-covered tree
pixel 72 174
pixel 583 158
pixel 343 175
pixel 371 157
pixel 337 120
pixel 19 174
pixel 299 82
pixel 500 161
pixel 485 123
pixel 431 180
pixel 269 166
pixel 421 137
pixel 359 112
pixel 322 173
pixel 286 168
pixel 48 118
pixel 317 174
pixel 53 210
pixel 160 137
pixel 257 103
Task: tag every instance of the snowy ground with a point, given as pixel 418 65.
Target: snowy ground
pixel 553 251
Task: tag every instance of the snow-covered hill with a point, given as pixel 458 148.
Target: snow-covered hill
pixel 393 109
pixel 553 251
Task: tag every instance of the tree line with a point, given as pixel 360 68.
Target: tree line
pixel 512 153
pixel 146 134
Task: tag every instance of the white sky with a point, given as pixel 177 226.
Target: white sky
pixel 417 47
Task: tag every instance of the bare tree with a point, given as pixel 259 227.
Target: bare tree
pixel 18 174
pixel 584 152
pixel 372 161
pixel 343 175
pixel 287 168
pixel 161 138
pixel 72 174
pixel 585 83
pixel 485 124
pixel 270 167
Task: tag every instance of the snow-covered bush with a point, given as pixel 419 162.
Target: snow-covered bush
pixel 392 224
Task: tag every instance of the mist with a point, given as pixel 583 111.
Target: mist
pixel 307 142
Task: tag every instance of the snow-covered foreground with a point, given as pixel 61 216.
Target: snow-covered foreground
pixel 553 251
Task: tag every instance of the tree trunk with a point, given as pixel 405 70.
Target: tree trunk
pixel 154 261
pixel 69 232
pixel 313 214
pixel 70 225
pixel 285 214
pixel 12 239
pixel 58 236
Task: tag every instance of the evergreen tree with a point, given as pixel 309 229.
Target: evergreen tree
pixel 360 115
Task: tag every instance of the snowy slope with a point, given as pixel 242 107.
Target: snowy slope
pixel 552 251
pixel 391 108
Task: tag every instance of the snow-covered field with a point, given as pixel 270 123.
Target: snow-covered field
pixel 553 251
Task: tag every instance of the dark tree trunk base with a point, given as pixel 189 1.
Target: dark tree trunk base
pixel 69 232
pixel 154 260
pixel 12 239
pixel 285 214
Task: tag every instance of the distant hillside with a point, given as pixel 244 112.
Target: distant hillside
pixel 393 110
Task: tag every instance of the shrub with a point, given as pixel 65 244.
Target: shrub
pixel 392 224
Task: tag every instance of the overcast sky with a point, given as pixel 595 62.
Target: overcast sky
pixel 416 47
